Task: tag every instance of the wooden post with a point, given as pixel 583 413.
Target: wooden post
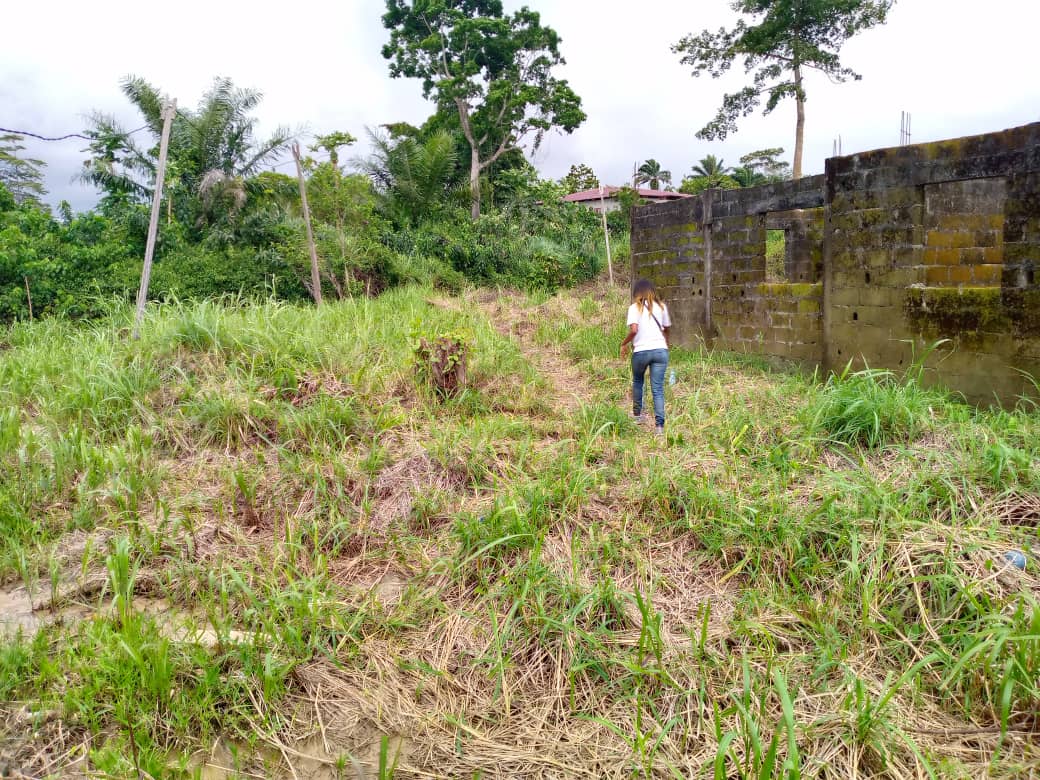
pixel 169 110
pixel 28 296
pixel 315 276
pixel 606 236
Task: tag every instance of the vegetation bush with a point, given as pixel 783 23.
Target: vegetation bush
pixel 78 265
pixel 229 227
pixel 871 407
pixel 776 251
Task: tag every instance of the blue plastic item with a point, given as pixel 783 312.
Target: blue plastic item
pixel 1016 558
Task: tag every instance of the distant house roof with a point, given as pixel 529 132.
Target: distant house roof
pixel 610 192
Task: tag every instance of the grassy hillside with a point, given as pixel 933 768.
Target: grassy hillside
pixel 254 544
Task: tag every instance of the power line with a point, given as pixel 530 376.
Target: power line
pixel 43 138
pixel 63 137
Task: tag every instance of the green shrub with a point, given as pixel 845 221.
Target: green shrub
pixel 776 251
pixel 870 408
pixel 77 267
pixel 194 273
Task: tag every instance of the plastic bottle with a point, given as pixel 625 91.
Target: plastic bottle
pixel 1016 558
pixel 671 377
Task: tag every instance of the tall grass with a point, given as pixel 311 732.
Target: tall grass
pixel 256 526
pixel 872 407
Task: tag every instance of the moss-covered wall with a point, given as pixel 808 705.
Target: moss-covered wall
pixel 890 252
pixel 921 245
pixel 964 232
pixel 668 248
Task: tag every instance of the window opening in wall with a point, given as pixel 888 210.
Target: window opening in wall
pixel 776 255
pixel 1026 277
pixel 868 277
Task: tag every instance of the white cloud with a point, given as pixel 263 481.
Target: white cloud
pixel 958 68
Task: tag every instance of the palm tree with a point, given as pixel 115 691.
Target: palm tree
pixel 746 176
pixel 711 172
pixel 213 149
pixel 415 178
pixel 650 173
pixel 711 167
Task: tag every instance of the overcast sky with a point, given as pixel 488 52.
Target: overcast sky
pixel 959 66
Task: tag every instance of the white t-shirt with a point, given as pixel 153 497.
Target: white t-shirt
pixel 649 336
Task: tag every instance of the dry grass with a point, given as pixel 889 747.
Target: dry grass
pixel 647 608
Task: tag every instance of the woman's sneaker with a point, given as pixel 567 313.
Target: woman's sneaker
pixel 659 430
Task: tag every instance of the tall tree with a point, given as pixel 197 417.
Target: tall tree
pixel 650 172
pixel 580 177
pixel 785 38
pixel 22 176
pixel 213 149
pixel 332 209
pixel 494 70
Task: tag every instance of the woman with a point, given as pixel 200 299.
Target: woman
pixel 648 324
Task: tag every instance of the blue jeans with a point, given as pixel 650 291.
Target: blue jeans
pixel 657 361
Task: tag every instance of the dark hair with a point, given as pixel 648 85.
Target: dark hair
pixel 645 294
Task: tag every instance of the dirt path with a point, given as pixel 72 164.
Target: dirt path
pixel 567 384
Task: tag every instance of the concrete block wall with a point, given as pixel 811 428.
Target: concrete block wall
pixel 888 253
pixel 964 232
pixel 672 255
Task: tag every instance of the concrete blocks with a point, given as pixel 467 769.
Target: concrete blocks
pixel 914 243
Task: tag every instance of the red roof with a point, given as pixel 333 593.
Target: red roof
pixel 610 192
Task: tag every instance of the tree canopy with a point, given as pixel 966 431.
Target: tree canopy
pixel 213 150
pixel 22 176
pixel 710 172
pixel 651 173
pixel 767 163
pixel 580 177
pixel 331 144
pixel 784 38
pixel 493 69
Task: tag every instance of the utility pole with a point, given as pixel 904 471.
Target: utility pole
pixel 315 276
pixel 169 110
pixel 606 236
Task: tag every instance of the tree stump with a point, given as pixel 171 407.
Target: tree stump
pixel 443 361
